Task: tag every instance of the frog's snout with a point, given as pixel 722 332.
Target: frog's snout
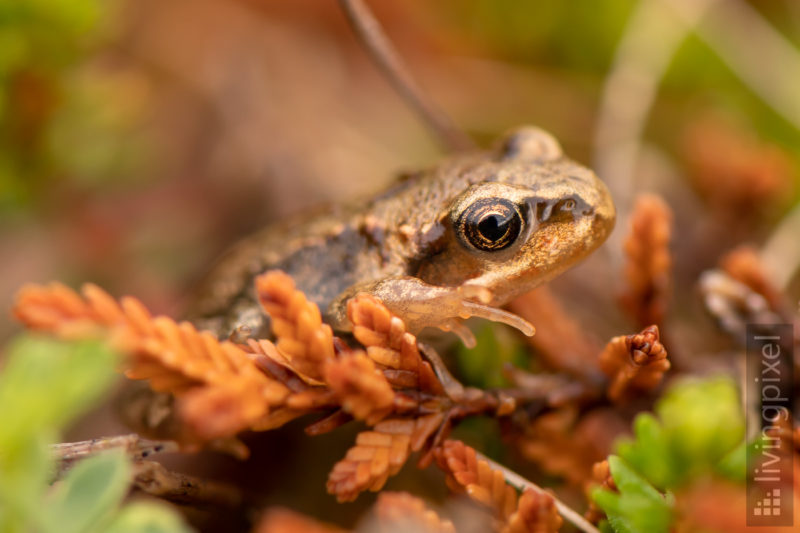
pixel 605 214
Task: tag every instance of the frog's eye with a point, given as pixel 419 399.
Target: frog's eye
pixel 490 224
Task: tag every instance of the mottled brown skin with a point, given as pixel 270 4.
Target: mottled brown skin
pixel 408 247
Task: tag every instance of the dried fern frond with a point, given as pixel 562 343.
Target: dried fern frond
pixel 297 324
pixel 378 454
pixel 389 344
pixel 403 512
pixel 536 513
pixel 58 309
pixel 648 261
pixel 468 474
pixel 281 520
pixel 220 390
pixel 361 389
pixel 634 363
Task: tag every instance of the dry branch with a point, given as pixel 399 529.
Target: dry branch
pixel 634 363
pixel 648 261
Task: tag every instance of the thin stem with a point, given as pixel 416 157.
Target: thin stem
pixel 780 254
pixel 766 61
pixel 136 447
pixel 521 483
pixel 154 479
pixel 374 39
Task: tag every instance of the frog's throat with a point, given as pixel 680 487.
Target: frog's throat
pixel 494 314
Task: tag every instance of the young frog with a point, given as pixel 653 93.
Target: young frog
pixel 452 242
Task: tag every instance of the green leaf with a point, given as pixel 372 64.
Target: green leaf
pixel 699 423
pixel 734 465
pixel 148 517
pixel 638 507
pixel 703 419
pixel 89 494
pixel 46 384
pixel 650 452
pixel 43 385
pixel 25 467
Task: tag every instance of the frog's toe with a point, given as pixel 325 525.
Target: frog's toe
pixel 461 331
pixel 470 309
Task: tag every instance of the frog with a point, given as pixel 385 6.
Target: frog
pixel 457 240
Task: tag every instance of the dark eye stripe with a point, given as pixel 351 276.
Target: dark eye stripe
pixel 490 224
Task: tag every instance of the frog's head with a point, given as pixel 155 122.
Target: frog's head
pixel 525 215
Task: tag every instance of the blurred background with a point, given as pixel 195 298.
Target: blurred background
pixel 139 139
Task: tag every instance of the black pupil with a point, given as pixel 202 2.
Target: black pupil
pixel 490 224
pixel 494 227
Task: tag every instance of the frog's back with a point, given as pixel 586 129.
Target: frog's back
pixel 324 254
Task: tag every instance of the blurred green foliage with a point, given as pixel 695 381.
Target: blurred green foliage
pixel 699 423
pixel 57 118
pixel 482 366
pixel 581 38
pixel 637 507
pixel 44 385
pixel 581 34
pixel 698 430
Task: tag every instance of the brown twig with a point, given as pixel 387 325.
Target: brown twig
pixel 380 48
pixel 136 447
pixel 152 478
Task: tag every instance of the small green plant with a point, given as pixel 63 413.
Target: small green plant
pixel 698 429
pixel 44 385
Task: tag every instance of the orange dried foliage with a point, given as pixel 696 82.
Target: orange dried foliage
pixel 536 513
pixel 390 345
pixel 220 390
pixel 744 265
pixel 648 261
pixel 285 521
pixel 738 174
pixel 561 341
pixel 714 506
pixel 601 475
pixel 362 390
pixel 786 432
pixel 378 454
pixel 403 512
pixel 297 324
pixel 565 444
pixel 467 473
pixel 634 363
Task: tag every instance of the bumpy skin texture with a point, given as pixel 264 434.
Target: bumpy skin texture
pixel 411 248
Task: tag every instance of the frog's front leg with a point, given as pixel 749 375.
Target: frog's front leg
pixel 422 305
